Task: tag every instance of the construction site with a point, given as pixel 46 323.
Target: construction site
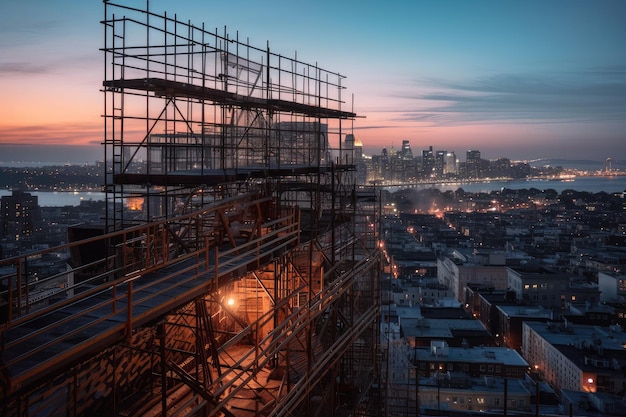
pixel 238 269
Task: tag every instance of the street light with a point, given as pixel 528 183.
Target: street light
pixel 438 373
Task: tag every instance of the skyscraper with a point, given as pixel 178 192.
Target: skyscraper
pixel 473 163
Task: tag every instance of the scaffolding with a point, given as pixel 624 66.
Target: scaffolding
pixel 238 270
pixel 192 115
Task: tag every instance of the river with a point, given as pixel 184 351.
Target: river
pixel 591 184
pixel 61 198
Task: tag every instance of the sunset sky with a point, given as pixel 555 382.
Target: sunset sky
pixel 521 79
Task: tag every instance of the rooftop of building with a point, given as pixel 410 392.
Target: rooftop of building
pixel 564 333
pixel 441 328
pixel 477 354
pixel 592 403
pixel 454 312
pixel 525 311
pixel 587 360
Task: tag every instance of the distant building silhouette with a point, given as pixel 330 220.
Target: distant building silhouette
pixel 473 164
pixel 20 215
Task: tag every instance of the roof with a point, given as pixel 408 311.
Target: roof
pixel 479 354
pixel 561 334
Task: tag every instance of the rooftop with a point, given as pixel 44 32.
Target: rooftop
pixel 567 334
pixel 480 354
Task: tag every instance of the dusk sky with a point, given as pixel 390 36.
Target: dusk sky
pixel 520 79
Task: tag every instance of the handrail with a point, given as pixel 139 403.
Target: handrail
pixel 125 301
pixel 113 242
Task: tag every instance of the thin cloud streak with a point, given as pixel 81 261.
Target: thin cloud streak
pixel 587 97
pixel 22 68
pixel 50 134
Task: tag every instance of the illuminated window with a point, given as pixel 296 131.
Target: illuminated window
pixel 573 298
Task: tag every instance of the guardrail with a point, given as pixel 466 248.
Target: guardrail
pixel 126 291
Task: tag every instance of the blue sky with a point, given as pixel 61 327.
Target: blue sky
pixel 522 79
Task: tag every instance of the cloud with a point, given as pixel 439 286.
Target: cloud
pixel 373 127
pixel 21 68
pixel 593 95
pixel 62 134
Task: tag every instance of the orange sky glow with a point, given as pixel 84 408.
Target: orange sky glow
pixel 515 80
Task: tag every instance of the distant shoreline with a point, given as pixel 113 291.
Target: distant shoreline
pixel 592 184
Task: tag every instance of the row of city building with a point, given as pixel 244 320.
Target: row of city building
pixel 25 225
pixel 519 310
pixel 401 166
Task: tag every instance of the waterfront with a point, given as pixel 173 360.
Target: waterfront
pixel 591 184
pixel 62 198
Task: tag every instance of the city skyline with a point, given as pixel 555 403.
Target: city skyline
pixel 520 80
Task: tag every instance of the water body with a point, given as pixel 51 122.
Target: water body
pixel 62 198
pixel 590 184
pixel 593 184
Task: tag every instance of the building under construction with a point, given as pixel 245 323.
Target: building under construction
pixel 238 270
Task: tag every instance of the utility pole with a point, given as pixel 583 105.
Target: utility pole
pixel 417 382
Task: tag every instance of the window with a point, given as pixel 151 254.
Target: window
pixel 496 401
pixel 490 368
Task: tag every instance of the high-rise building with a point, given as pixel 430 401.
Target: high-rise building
pixel 440 161
pixel 19 215
pixel 428 162
pixel 451 165
pixel 352 153
pixel 406 152
pixel 473 163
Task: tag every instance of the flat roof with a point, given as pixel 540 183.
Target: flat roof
pixel 525 311
pixel 412 327
pixel 558 334
pixel 477 354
